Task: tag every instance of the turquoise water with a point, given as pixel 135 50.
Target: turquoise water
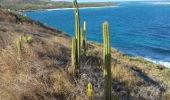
pixel 137 29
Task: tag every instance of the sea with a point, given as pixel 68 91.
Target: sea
pixel 139 29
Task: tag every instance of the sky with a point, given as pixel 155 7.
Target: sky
pixel 109 0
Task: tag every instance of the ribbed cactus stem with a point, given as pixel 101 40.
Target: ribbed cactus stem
pixel 78 36
pixel 73 52
pixel 81 39
pixel 107 62
pixel 18 46
pixel 84 37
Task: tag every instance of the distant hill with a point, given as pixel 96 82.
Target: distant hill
pixel 20 1
pixel 46 4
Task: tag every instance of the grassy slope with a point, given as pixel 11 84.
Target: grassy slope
pixel 47 5
pixel 44 71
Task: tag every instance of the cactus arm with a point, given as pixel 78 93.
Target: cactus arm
pixel 18 46
pixel 78 43
pixel 73 52
pixel 77 34
pixel 107 62
pixel 84 37
pixel 104 50
pixel 81 39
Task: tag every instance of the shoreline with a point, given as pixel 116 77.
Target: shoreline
pixel 166 64
pixel 53 9
pixel 159 62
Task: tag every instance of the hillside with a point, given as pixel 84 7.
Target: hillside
pixel 46 4
pixel 43 70
pixel 17 1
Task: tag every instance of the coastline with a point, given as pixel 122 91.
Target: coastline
pixel 66 9
pixel 159 62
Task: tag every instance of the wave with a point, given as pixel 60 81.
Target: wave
pixel 159 49
pixel 160 3
pixel 166 64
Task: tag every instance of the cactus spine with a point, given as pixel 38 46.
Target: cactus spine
pixel 78 36
pixel 84 37
pixel 107 62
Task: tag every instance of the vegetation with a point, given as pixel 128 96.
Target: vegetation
pixel 23 39
pixel 77 38
pixel 107 62
pixel 46 4
pixel 73 53
pixel 18 45
pixel 84 37
pixel 26 38
pixel 44 71
pixel 90 91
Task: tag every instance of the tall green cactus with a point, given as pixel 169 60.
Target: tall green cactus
pixel 78 36
pixel 73 53
pixel 107 62
pixel 18 46
pixel 81 37
pixel 84 37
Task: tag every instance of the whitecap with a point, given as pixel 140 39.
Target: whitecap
pixel 164 63
pixel 160 3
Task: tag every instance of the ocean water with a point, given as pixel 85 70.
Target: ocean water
pixel 137 29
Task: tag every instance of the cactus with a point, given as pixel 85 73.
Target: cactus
pixel 73 52
pixel 18 46
pixel 84 37
pixel 26 38
pixel 78 41
pixel 90 91
pixel 107 62
pixel 81 37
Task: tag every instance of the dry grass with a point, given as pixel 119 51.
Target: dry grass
pixel 43 72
